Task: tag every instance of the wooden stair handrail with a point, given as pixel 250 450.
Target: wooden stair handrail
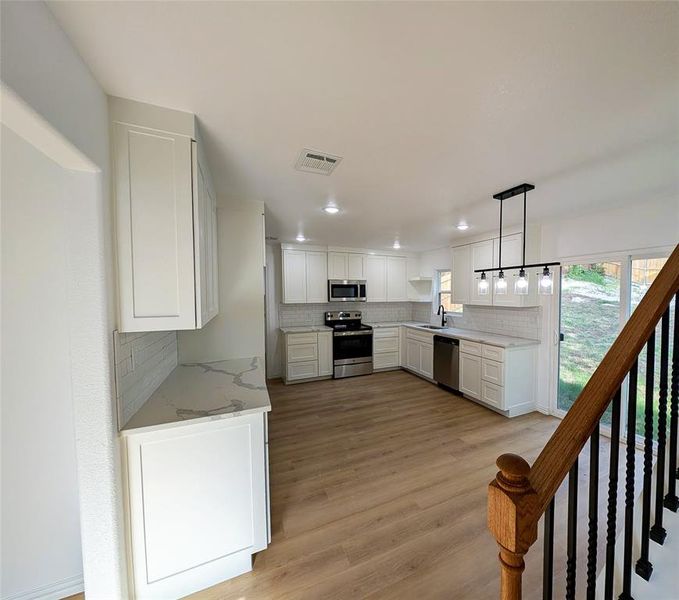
pixel 515 509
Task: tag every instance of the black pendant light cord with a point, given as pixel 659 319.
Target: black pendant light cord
pixel 499 258
pixel 523 256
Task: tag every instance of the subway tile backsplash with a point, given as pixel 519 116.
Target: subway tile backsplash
pixel 143 361
pixel 516 322
pixel 293 315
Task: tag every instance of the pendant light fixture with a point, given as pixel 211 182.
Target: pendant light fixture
pixel 522 283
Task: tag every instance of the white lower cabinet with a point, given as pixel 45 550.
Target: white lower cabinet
pixel 470 375
pixel 506 384
pixel 420 352
pixel 324 353
pixel 386 348
pixel 196 498
pixel 308 356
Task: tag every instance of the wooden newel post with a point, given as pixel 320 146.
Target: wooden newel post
pixel 512 519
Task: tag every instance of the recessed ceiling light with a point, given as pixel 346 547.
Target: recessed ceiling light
pixel 397 245
pixel 463 226
pixel 300 238
pixel 331 210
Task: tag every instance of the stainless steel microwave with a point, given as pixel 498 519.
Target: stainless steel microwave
pixel 347 290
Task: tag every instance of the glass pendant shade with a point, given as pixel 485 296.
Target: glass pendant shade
pixel 482 287
pixel 501 284
pixel 546 287
pixel 521 284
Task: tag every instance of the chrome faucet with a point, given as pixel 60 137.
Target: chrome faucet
pixel 442 312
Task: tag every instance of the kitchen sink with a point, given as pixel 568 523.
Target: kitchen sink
pixel 437 327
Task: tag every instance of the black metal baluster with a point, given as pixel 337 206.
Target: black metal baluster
pixel 593 523
pixel 629 483
pixel 572 538
pixel 548 556
pixel 671 500
pixel 658 532
pixel 612 498
pixel 644 568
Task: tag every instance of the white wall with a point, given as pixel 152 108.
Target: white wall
pixel 41 66
pixel 238 330
pixel 640 226
pixel 39 482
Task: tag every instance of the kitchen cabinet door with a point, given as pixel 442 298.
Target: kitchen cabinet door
pixel 222 504
pixel 355 266
pixel 205 240
pixel 413 358
pixel 427 360
pixel 470 375
pixel 316 277
pixel 481 258
pixel 325 366
pixel 397 289
pixel 376 276
pixel 294 276
pixel 461 274
pixel 153 185
pixel 337 265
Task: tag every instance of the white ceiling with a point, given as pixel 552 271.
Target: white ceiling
pixel 433 106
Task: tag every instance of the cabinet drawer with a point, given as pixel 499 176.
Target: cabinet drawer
pixel 302 338
pixel 492 394
pixel 494 353
pixel 385 345
pixel 385 360
pixel 492 371
pixel 385 332
pixel 420 336
pixel 302 352
pixel 302 370
pixel 470 347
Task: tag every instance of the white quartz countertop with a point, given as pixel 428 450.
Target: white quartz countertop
pixel 199 392
pixel 503 341
pixel 305 329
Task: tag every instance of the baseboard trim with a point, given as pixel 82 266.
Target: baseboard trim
pixel 52 591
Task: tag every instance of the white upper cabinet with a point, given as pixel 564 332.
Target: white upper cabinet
pixel 461 269
pixel 337 265
pixel 481 258
pixel 376 278
pixel 346 265
pixel 316 277
pixel 294 276
pixel 355 266
pixel 305 276
pixel 205 243
pixel 397 290
pixel 165 220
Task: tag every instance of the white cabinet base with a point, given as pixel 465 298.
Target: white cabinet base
pixel 196 504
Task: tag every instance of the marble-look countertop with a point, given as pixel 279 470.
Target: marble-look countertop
pixel 198 392
pixel 305 329
pixel 504 341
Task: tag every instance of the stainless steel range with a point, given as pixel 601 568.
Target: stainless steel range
pixel 352 344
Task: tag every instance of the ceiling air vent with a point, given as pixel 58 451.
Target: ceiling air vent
pixel 312 161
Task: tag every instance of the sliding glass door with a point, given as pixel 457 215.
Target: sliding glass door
pixel 590 322
pixel 596 300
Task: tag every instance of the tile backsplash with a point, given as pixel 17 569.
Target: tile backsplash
pixel 517 322
pixel 143 361
pixel 293 315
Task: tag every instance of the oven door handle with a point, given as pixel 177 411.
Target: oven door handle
pixel 347 333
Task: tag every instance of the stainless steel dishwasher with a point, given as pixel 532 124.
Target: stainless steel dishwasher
pixel 447 362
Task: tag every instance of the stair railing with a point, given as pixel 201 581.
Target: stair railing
pixel 520 494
